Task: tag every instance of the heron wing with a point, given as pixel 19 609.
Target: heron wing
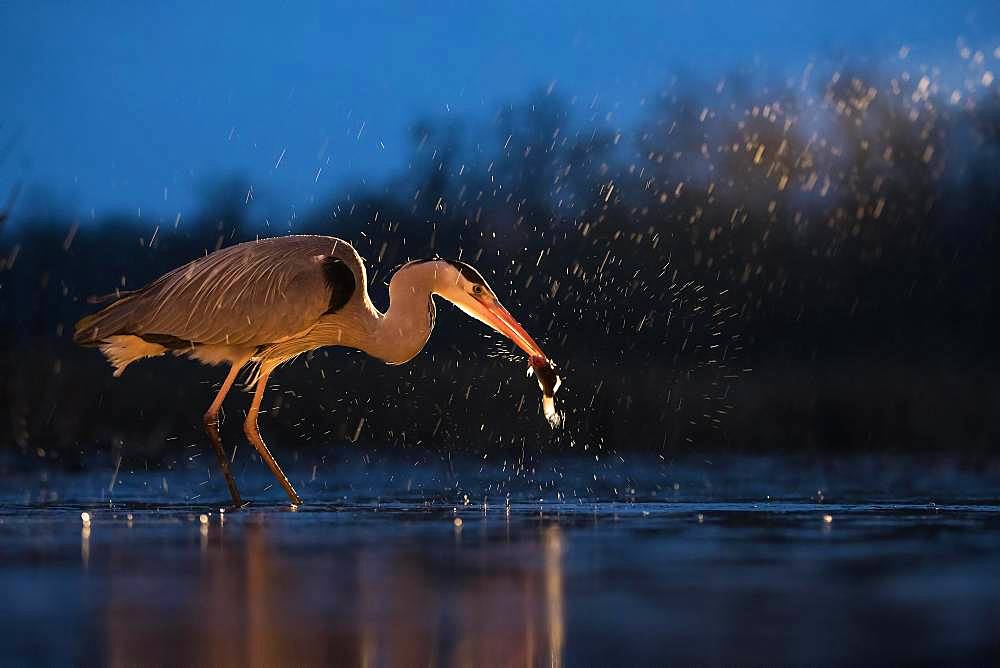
pixel 249 294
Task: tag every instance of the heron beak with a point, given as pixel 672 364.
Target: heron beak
pixel 497 317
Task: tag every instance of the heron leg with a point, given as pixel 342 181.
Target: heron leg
pixel 211 419
pixel 253 435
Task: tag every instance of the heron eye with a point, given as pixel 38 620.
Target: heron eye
pixel 477 289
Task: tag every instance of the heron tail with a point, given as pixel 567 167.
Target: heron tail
pixel 94 329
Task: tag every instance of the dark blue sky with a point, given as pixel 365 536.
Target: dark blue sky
pixel 120 106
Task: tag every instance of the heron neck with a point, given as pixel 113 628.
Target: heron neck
pixel 405 327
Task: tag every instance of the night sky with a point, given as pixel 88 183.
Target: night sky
pixel 137 108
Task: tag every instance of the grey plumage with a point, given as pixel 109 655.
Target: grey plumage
pixel 264 302
pixel 251 294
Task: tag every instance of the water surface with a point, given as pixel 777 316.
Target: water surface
pixel 387 563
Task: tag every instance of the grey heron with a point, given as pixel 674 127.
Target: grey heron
pixel 262 303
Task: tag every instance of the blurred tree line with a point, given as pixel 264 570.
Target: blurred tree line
pixel 798 267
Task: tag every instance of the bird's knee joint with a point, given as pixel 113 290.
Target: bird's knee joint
pixel 210 420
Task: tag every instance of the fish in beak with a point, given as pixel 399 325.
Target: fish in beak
pixel 496 316
pixel 549 382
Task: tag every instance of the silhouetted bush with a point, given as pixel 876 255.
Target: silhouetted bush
pixel 752 269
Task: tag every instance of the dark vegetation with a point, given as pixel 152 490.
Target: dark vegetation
pixel 808 267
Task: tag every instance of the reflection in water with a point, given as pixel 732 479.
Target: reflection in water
pixel 85 545
pixel 645 583
pixel 554 593
pixel 468 602
pixel 85 539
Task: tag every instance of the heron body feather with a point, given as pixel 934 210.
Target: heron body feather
pixel 249 294
pixel 267 300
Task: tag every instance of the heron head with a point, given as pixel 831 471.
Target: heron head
pixel 466 288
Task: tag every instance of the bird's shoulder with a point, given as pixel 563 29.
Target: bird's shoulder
pixel 253 292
